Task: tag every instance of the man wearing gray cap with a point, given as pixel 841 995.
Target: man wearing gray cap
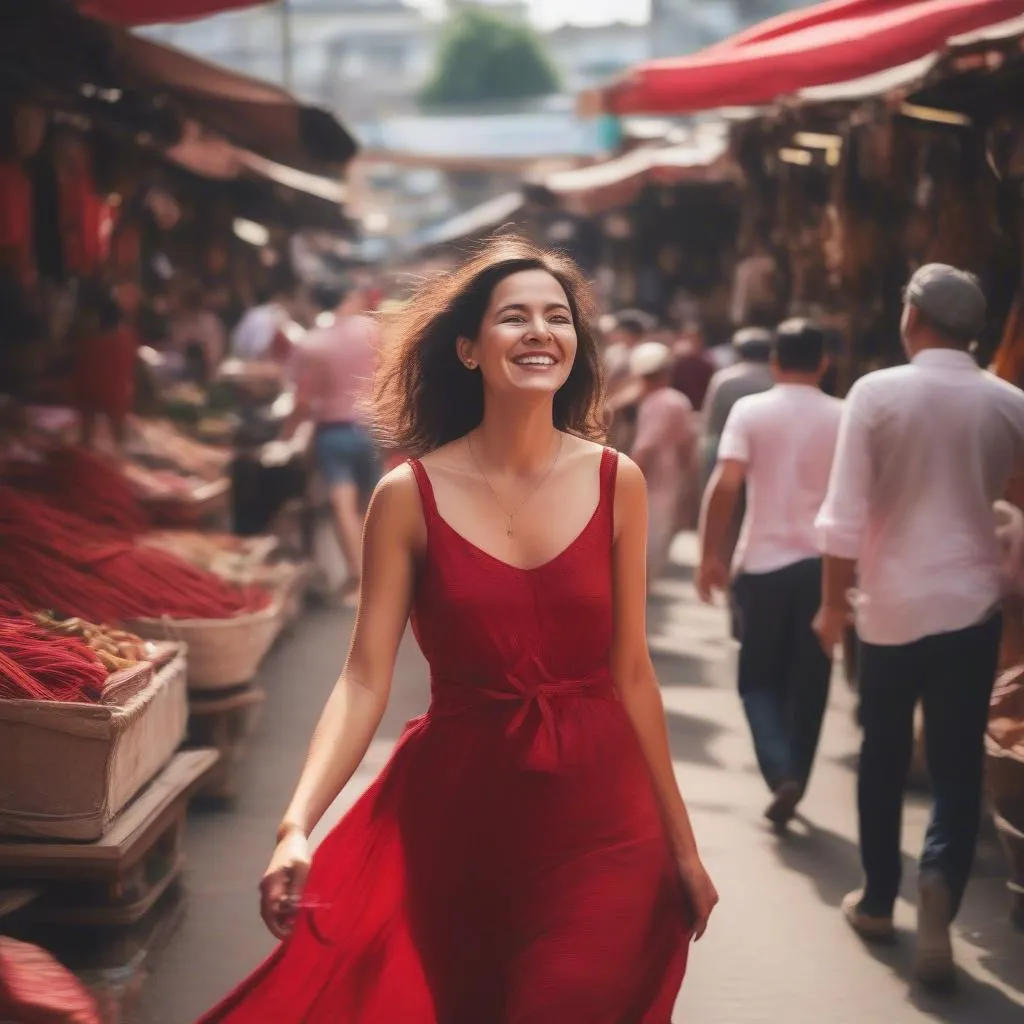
pixel 924 451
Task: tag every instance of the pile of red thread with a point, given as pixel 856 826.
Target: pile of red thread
pixel 37 664
pixel 68 546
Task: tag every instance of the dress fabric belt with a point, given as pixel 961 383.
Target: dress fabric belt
pixel 533 687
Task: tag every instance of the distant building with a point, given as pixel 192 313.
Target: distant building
pixel 589 56
pixel 682 26
pixel 360 58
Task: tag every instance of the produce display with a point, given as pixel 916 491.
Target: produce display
pixel 75 479
pixel 44 658
pixel 53 558
pixel 240 559
pixel 159 444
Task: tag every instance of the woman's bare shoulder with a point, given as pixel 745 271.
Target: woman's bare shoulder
pixel 396 500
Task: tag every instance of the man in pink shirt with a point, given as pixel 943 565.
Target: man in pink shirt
pixel 662 447
pixel 332 368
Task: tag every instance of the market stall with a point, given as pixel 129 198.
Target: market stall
pixel 133 620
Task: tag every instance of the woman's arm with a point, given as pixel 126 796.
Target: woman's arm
pixel 357 703
pixel 637 683
pixel 394 532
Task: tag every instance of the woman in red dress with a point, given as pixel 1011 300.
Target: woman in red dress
pixel 525 857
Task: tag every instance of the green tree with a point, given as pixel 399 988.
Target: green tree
pixel 483 57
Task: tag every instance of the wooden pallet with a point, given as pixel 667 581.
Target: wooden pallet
pixel 116 880
pixel 224 722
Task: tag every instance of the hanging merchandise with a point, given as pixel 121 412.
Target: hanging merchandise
pixel 86 220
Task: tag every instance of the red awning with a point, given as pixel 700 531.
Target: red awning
pixel 155 12
pixel 837 43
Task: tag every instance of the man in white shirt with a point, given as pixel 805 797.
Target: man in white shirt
pixel 924 451
pixel 780 444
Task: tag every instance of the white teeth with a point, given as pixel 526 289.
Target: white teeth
pixel 534 361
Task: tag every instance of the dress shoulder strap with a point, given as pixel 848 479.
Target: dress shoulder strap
pixel 426 489
pixel 609 474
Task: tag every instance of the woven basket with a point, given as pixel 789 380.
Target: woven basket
pixel 1004 777
pixel 67 770
pixel 221 652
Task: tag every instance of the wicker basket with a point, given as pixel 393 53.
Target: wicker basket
pixel 67 770
pixel 221 652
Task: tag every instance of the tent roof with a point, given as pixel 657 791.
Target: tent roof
pixel 835 43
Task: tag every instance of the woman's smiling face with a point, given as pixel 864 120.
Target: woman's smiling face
pixel 527 337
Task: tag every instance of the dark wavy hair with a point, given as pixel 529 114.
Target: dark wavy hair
pixel 424 397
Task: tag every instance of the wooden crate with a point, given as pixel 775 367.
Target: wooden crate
pixel 224 723
pixel 114 880
pixel 66 770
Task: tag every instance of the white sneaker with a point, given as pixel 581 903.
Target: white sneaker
pixel 933 963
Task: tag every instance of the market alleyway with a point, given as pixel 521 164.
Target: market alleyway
pixel 777 952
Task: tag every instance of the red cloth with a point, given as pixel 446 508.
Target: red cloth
pixel 35 989
pixel 86 221
pixel 836 49
pixel 105 372
pixel 16 221
pixel 510 862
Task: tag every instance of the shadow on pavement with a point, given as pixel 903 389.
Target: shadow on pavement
pixel 829 860
pixel 690 738
pixel 974 1002
pixel 832 863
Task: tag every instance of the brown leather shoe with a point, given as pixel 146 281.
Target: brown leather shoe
pixel 933 960
pixel 869 927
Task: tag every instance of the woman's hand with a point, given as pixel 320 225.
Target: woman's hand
pixel 700 892
pixel 282 883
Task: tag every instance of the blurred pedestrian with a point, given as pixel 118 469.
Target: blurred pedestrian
pixel 197 334
pixel 750 374
pixel 526 854
pixel 262 332
pixel 924 451
pixel 662 448
pixel 780 444
pixel 629 328
pixel 693 368
pixel 332 367
pixel 104 379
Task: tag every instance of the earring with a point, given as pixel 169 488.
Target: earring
pixel 470 364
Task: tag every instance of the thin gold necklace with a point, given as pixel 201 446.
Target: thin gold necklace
pixel 510 516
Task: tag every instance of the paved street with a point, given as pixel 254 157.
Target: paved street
pixel 777 950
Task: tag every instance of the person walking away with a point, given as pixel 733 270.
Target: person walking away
pixel 780 444
pixel 104 375
pixel 750 374
pixel 262 330
pixel 693 368
pixel 332 367
pixel 526 854
pixel 662 448
pixel 924 451
pixel 631 327
pixel 198 335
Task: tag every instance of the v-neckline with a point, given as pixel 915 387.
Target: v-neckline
pixel 431 509
pixel 522 568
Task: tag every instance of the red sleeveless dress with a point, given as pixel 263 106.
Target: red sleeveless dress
pixel 509 865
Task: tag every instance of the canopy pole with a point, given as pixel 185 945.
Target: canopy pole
pixel 286 44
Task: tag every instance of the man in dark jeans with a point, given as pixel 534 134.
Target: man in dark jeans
pixel 780 444
pixel 924 451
